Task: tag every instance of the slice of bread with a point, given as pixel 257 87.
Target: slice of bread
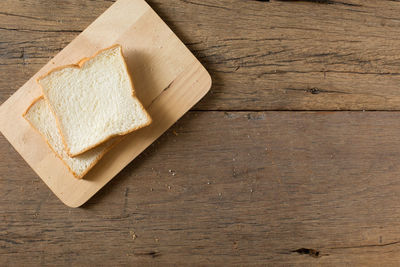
pixel 93 100
pixel 42 119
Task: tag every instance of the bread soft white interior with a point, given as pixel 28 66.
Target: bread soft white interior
pixel 42 119
pixel 94 101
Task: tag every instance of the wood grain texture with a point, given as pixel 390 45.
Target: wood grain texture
pixel 168 80
pixel 233 187
pixel 276 55
pixel 276 183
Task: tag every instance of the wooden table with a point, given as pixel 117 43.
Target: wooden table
pixel 292 158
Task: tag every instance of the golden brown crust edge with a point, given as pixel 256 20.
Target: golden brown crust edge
pixel 98 158
pixel 78 65
pixel 45 139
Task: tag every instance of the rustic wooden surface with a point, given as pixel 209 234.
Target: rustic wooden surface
pixel 163 69
pixel 233 182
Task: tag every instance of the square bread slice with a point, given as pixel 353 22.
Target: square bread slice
pixel 93 100
pixel 42 119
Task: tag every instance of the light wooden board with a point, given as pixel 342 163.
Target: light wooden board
pixel 168 79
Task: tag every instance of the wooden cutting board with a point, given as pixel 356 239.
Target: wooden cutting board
pixel 168 79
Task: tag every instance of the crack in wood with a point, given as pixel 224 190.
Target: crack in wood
pixel 369 246
pixel 164 90
pixel 24 16
pixel 329 2
pixel 204 5
pixel 153 254
pixel 34 30
pixel 308 251
pixel 316 90
pixel 277 72
pixel 317 254
pixel 10 241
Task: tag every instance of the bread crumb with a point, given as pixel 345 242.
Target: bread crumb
pixel 151 189
pixel 133 235
pixel 172 172
pixel 175 133
pixel 169 187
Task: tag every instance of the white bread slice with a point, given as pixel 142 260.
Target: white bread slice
pixel 93 100
pixel 42 119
